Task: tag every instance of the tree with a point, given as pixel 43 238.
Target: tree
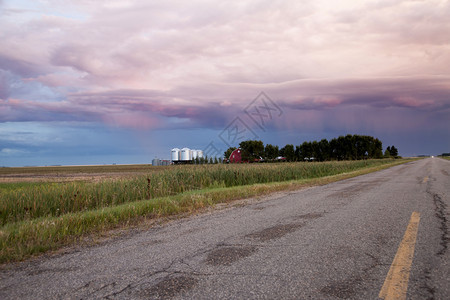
pixel 323 152
pixel 391 151
pixel 333 149
pixel 251 150
pixel 394 151
pixel 288 152
pixel 362 146
pixel 350 147
pixel 355 147
pixel 315 151
pixel 305 151
pixel 387 153
pixel 377 149
pixel 271 152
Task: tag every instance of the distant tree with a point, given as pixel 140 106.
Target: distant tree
pixel 305 151
pixel 362 143
pixel 271 152
pixel 355 147
pixel 211 160
pixel 251 150
pixel 342 152
pixel 288 152
pixel 394 151
pixel 387 153
pixel 348 147
pixel 297 153
pixel 324 150
pixel 228 152
pixel 333 144
pixel 215 160
pixel 376 149
pixel 315 150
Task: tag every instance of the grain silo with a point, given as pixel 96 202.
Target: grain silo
pixel 195 154
pixel 175 155
pixel 156 162
pixel 186 154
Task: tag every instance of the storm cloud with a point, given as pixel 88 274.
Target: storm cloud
pixel 164 65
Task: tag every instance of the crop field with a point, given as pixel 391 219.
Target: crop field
pixel 46 208
pixel 72 173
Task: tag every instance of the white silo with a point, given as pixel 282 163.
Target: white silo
pixel 156 162
pixel 199 153
pixel 186 154
pixel 175 154
pixel 194 154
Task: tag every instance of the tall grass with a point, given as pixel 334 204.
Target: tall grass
pixel 27 202
pixel 46 216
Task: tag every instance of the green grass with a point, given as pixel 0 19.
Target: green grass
pixel 36 218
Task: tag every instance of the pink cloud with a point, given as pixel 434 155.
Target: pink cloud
pixel 413 102
pixel 149 65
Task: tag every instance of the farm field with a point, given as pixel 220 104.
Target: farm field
pixel 72 173
pixel 45 208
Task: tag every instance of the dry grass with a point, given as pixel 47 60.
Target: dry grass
pixel 74 173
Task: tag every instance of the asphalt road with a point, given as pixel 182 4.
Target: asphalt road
pixel 336 241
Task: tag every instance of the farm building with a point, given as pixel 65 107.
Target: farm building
pixel 185 155
pixel 235 156
pixel 160 162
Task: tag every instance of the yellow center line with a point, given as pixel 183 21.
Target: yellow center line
pixel 396 283
pixel 425 179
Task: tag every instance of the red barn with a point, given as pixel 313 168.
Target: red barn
pixel 235 156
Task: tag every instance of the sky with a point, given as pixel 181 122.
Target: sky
pixel 109 81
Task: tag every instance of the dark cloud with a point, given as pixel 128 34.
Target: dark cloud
pixel 18 66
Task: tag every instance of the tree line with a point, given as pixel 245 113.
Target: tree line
pixel 349 147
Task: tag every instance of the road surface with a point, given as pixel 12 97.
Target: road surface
pixel 336 241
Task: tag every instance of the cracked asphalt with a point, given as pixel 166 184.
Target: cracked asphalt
pixel 335 241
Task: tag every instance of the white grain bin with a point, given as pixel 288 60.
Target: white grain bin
pixel 175 154
pixel 199 153
pixel 186 154
pixel 156 162
pixel 194 154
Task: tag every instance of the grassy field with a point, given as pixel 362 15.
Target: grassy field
pixel 37 216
